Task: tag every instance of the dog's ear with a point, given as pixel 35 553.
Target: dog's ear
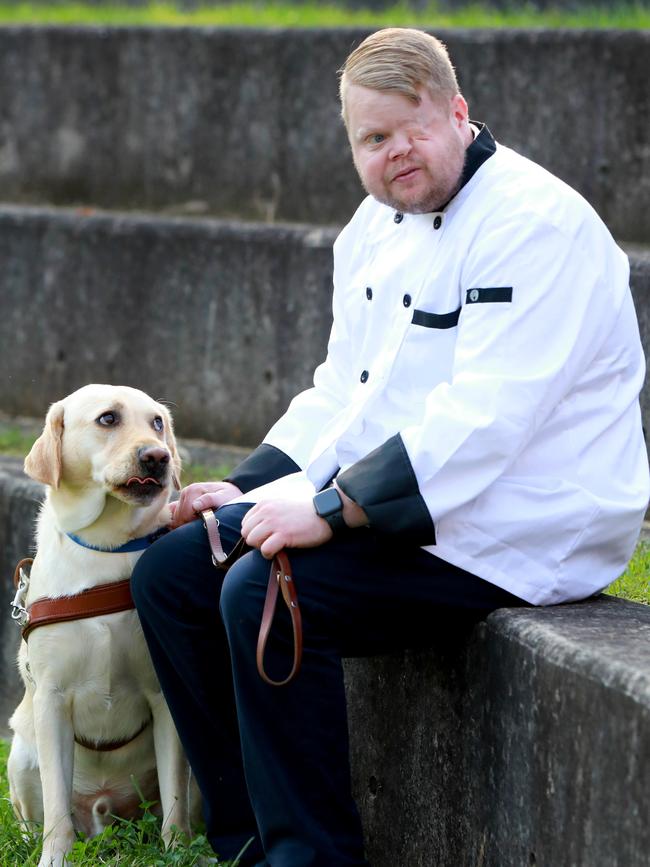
pixel 170 439
pixel 44 462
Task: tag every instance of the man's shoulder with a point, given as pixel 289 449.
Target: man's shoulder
pixel 516 190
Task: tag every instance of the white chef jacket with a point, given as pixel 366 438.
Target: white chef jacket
pixel 480 392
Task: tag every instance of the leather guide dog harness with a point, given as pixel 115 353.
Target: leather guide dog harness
pixel 102 599
pixel 280 578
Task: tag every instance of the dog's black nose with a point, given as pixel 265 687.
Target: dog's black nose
pixel 153 457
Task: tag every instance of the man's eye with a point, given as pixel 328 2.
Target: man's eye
pixel 158 423
pixel 107 419
pixel 376 138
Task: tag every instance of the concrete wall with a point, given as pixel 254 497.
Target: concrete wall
pixel 523 742
pixel 245 123
pixel 225 320
pixel 19 500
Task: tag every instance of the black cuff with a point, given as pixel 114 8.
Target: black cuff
pixel 265 464
pixel 384 485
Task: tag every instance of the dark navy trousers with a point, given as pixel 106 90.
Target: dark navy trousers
pixel 272 762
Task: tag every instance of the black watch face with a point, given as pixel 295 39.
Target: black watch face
pixel 327 502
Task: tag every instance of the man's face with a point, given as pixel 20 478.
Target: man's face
pixel 409 155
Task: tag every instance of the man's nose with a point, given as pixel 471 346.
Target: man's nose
pixel 400 145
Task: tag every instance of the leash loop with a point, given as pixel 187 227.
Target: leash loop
pixel 280 578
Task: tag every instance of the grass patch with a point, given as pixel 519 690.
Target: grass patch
pixel 634 583
pixel 204 473
pixel 15 442
pixel 279 14
pixel 136 844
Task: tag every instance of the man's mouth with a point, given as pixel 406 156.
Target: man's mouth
pixel 405 174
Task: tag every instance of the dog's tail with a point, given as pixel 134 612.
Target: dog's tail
pixel 102 814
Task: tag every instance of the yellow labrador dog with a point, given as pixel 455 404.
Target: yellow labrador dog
pixel 93 719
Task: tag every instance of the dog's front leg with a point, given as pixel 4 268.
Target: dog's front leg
pixel 173 770
pixel 55 745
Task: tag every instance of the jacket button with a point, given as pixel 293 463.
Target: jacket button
pixel 368 293
pixel 398 217
pixel 437 222
pixel 364 376
pixel 406 300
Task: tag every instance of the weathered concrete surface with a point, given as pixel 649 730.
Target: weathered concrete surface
pixel 528 744
pixel 19 501
pixel 245 122
pixel 225 320
pixel 523 742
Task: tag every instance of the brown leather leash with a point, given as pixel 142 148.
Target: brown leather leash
pixel 102 599
pixel 280 578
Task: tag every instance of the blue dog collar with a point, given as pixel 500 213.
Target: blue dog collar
pixel 139 544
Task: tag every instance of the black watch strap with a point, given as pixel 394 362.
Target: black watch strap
pixel 329 506
pixel 336 522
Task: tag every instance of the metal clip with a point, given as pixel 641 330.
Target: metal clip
pixel 18 611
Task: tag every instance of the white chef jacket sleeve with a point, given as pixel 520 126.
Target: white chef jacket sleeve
pixel 537 303
pixel 288 444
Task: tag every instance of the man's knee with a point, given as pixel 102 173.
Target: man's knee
pixel 145 578
pixel 243 591
pixel 170 567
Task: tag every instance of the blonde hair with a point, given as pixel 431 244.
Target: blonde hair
pixel 400 60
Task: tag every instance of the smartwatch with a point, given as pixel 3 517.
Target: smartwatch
pixel 329 506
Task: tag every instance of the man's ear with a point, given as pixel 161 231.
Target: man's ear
pixel 170 439
pixel 44 462
pixel 459 110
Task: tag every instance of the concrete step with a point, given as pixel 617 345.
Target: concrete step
pixel 246 122
pixel 225 320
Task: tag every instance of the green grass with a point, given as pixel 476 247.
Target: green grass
pixel 278 14
pixel 15 442
pixel 127 844
pixel 204 473
pixel 634 584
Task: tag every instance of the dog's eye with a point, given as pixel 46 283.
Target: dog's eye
pixel 107 419
pixel 158 423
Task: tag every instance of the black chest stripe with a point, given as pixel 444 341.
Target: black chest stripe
pixel 488 294
pixel 436 320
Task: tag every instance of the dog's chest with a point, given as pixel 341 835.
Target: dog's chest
pixel 101 665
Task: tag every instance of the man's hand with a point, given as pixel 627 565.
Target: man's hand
pixel 275 524
pixel 201 495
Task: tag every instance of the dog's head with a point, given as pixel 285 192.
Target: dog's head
pixel 112 437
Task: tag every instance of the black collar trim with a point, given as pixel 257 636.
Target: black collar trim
pixel 480 150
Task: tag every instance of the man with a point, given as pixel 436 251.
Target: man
pixel 477 420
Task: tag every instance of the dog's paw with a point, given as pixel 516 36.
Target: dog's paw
pixel 55 848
